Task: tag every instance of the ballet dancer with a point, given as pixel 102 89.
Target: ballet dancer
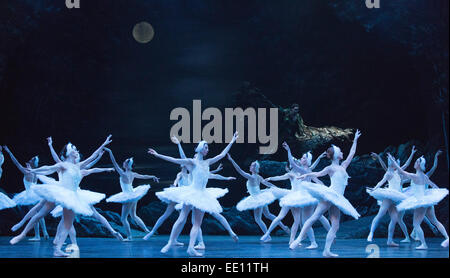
pixel 57 212
pixel 5 201
pixel 258 199
pixel 389 198
pixel 196 196
pixel 421 199
pixel 28 197
pixel 330 198
pixel 129 196
pixel 298 200
pixel 184 179
pixel 64 192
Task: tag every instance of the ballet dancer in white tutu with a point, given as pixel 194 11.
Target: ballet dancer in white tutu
pixel 65 192
pixel 421 199
pixel 330 198
pixel 58 211
pixel 130 195
pixel 388 198
pixel 5 201
pixel 298 200
pixel 257 199
pixel 196 196
pixel 28 197
pixel 183 178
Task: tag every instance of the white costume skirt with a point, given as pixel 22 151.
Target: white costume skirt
pixel 128 197
pixel 324 193
pixel 256 201
pixel 6 202
pixel 298 199
pixel 386 193
pixel 430 198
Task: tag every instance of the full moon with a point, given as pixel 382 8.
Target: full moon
pixel 143 32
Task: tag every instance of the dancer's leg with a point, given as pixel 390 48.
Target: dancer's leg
pixel 321 208
pixel 335 215
pixel 44 228
pixel 391 228
pixel 431 214
pixel 170 208
pixel 402 225
pixel 177 228
pixel 376 220
pixel 433 228
pixel 105 223
pixel 32 212
pixel 306 214
pixel 271 217
pixel 126 210
pixel 69 216
pixel 137 219
pixel 257 214
pixel 198 217
pixel 226 225
pixel 46 208
pixel 275 222
pixel 325 222
pixel 419 214
pixel 296 214
pixel 37 235
pixel 200 244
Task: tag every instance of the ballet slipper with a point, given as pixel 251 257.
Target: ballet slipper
pixel 370 238
pixel 264 237
pixel 147 236
pixel 59 253
pixel 294 245
pixel 118 236
pixel 200 246
pixel 312 246
pixel 328 254
pixel 235 237
pixel 16 227
pixel 194 253
pixel 167 247
pixel 392 244
pixel 16 239
pixel 35 239
pixel 72 248
pixel 422 247
pixel 406 240
pixel 177 243
pixel 444 244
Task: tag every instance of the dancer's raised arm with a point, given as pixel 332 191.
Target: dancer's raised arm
pixel 87 172
pixel 179 161
pixel 413 150
pixel 218 169
pixel 96 153
pixel 378 157
pixel 225 151
pixel 114 162
pixel 325 171
pixel 55 156
pixel 314 165
pixel 435 164
pixel 400 170
pixel 238 169
pixel 46 170
pixel 180 148
pixel 95 160
pixel 291 158
pixel 220 177
pixel 14 160
pixel 428 181
pixel 146 177
pixel 380 183
pixel 352 152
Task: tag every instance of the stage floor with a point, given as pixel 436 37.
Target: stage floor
pixel 223 247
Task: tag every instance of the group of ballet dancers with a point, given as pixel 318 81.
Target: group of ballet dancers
pixel 308 199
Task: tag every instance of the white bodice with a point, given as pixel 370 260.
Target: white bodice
pixel 126 187
pixel 71 177
pixel 27 184
pixel 253 188
pixel 184 180
pixel 296 184
pixel 417 189
pixel 395 182
pixel 200 174
pixel 339 181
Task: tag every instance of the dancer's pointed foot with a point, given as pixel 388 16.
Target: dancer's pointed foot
pixel 444 244
pixel 128 239
pixel 294 245
pixel 167 247
pixel 59 253
pixel 328 254
pixel 265 237
pixel 118 236
pixel 422 247
pixel 194 253
pixel 72 248
pixel 312 246
pixel 147 236
pixel 16 239
pixel 392 244
pixel 36 238
pixel 406 240
pixel 235 237
pixel 46 237
pixel 370 238
pixel 200 246
pixel 16 227
pixel 177 243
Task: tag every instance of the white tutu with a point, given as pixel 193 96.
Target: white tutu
pixel 430 198
pixel 324 193
pixel 298 199
pixel 386 193
pixel 128 197
pixel 255 201
pixel 277 192
pixel 202 199
pixel 26 198
pixel 6 202
pixel 90 197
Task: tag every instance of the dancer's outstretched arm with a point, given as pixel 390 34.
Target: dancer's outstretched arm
pixel 238 169
pixel 146 177
pixel 87 172
pixel 220 177
pixel 218 169
pixel 14 160
pixel 52 150
pixel 413 150
pixel 114 162
pixel 325 171
pixel 435 164
pixel 180 148
pixel 279 178
pixel 291 158
pixel 400 170
pixel 265 182
pixel 428 181
pixel 180 161
pixel 376 156
pixel 96 153
pixel 95 160
pixel 352 152
pixel 380 183
pixel 225 151
pixel 177 180
pixel 46 170
pixel 314 165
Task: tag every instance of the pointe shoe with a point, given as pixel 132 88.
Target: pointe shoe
pixel 265 238
pixel 406 240
pixel 128 239
pixel 35 239
pixel 200 246
pixel 177 243
pixel 422 247
pixel 59 253
pixel 444 244
pixel 166 248
pixel 328 254
pixel 194 253
pixel 370 238
pixel 147 236
pixel 15 240
pixel 16 227
pixel 72 248
pixel 118 236
pixel 235 238
pixel 392 244
pixel 312 246
pixel 294 245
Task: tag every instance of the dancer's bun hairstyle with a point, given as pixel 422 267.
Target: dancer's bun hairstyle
pixel 330 153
